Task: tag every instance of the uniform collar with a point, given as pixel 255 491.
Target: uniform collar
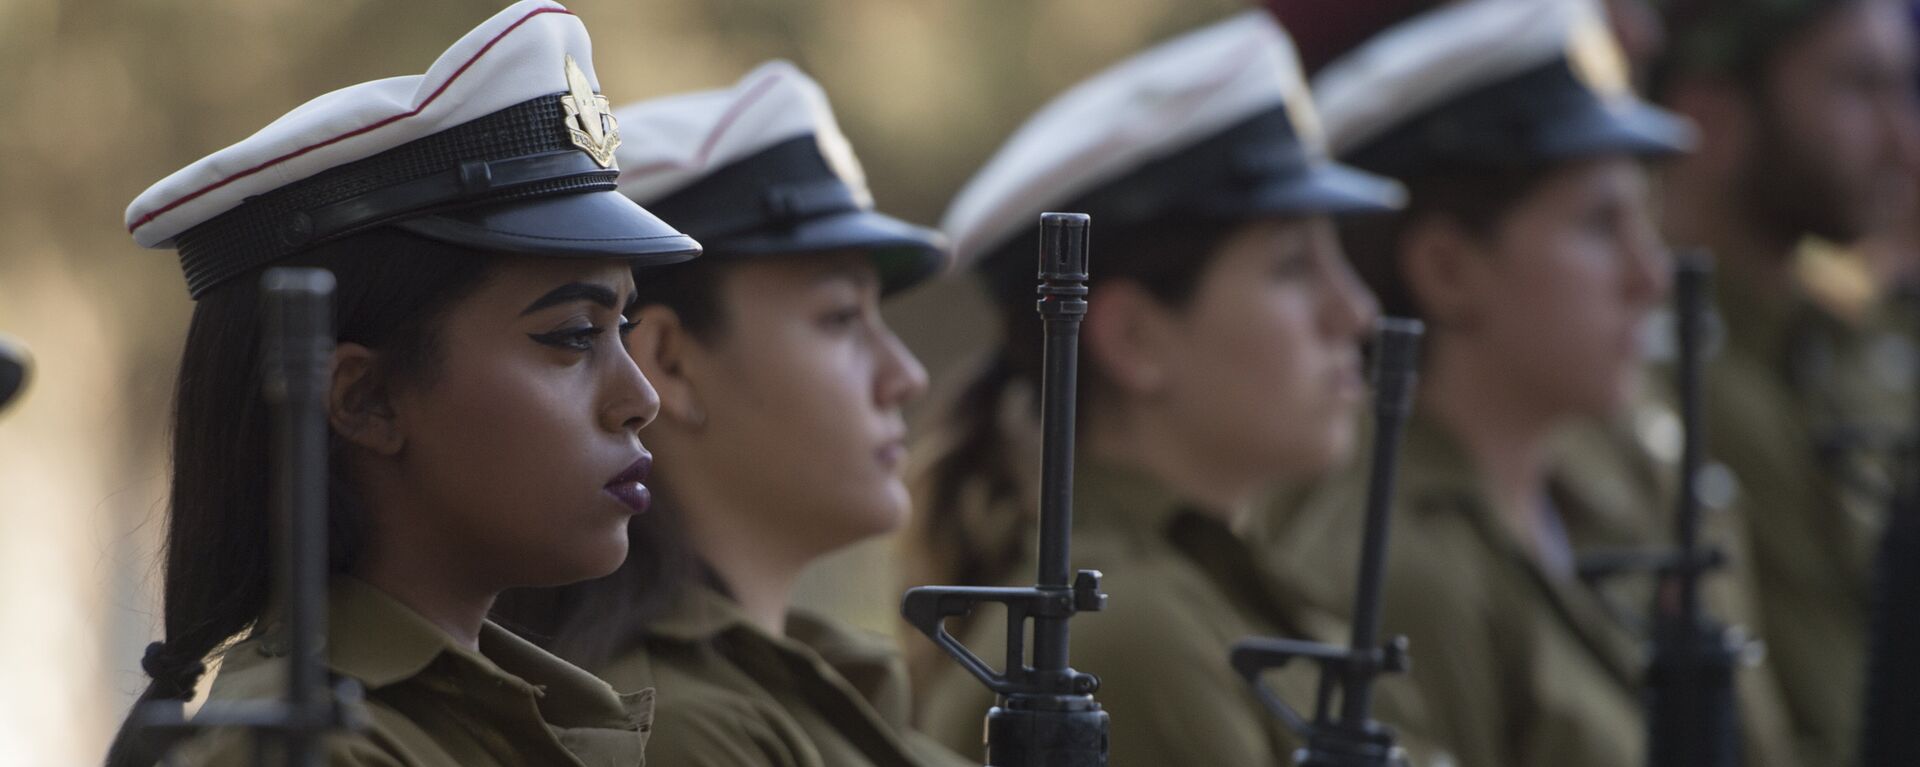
pixel 1437 468
pixel 1439 471
pixel 699 614
pixel 1152 519
pixel 378 641
pixel 868 663
pixel 1757 324
pixel 703 613
pixel 1436 462
pixel 1113 498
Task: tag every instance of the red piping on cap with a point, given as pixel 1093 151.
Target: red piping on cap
pixel 162 210
pixel 726 122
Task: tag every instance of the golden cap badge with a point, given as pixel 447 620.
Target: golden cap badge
pixel 1597 60
pixel 589 119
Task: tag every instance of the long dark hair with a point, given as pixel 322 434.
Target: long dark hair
pixel 974 515
pixel 591 622
pixel 392 288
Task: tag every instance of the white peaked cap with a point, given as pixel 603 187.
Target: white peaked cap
pixel 675 141
pixel 761 169
pixel 1155 104
pixel 510 58
pixel 503 145
pixel 1454 54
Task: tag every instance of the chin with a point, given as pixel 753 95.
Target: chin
pixel 1307 459
pixel 885 515
pixel 888 515
pixel 1611 401
pixel 1330 457
pixel 588 559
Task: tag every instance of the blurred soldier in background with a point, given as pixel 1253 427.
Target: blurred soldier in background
pixel 1806 114
pixel 1529 249
pixel 1221 354
pixel 781 438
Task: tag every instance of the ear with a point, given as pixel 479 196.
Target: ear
pixel 1128 335
pixel 667 354
pixel 359 405
pixel 1444 269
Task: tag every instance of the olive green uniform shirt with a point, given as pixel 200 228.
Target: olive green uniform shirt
pixel 1183 589
pixel 1803 407
pixel 823 695
pixel 1630 469
pixel 1517 667
pixel 432 702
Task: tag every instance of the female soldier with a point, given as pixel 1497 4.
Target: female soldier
pixel 781 395
pixel 1527 248
pixel 483 410
pixel 1222 355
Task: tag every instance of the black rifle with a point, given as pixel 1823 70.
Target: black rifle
pixel 1893 668
pixel 1046 716
pixel 1349 736
pixel 1692 720
pixel 13 370
pixel 298 315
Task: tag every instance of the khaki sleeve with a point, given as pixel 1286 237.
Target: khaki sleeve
pixel 1438 594
pixel 951 709
pixel 1173 697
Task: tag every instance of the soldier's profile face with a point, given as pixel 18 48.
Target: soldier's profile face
pixel 509 447
pixel 1263 363
pixel 1567 279
pixel 1834 132
pixel 802 393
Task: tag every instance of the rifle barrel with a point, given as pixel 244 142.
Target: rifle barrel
pixel 1062 305
pixel 1396 364
pixel 298 304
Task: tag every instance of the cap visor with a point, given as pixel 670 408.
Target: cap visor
pixel 1330 188
pixel 1629 127
pixel 13 377
pixel 903 254
pixel 586 225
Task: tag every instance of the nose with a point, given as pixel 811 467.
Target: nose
pixel 902 379
pixel 1649 264
pixel 630 399
pixel 1350 307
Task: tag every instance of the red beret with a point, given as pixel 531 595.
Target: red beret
pixel 1324 30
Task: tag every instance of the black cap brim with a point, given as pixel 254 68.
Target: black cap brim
pixel 598 224
pixel 1258 167
pixel 1620 126
pixel 13 370
pixel 902 253
pixel 1549 114
pixel 1327 188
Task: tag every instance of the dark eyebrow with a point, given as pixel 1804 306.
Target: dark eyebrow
pixel 574 291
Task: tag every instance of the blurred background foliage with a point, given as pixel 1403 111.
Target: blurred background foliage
pixel 104 97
